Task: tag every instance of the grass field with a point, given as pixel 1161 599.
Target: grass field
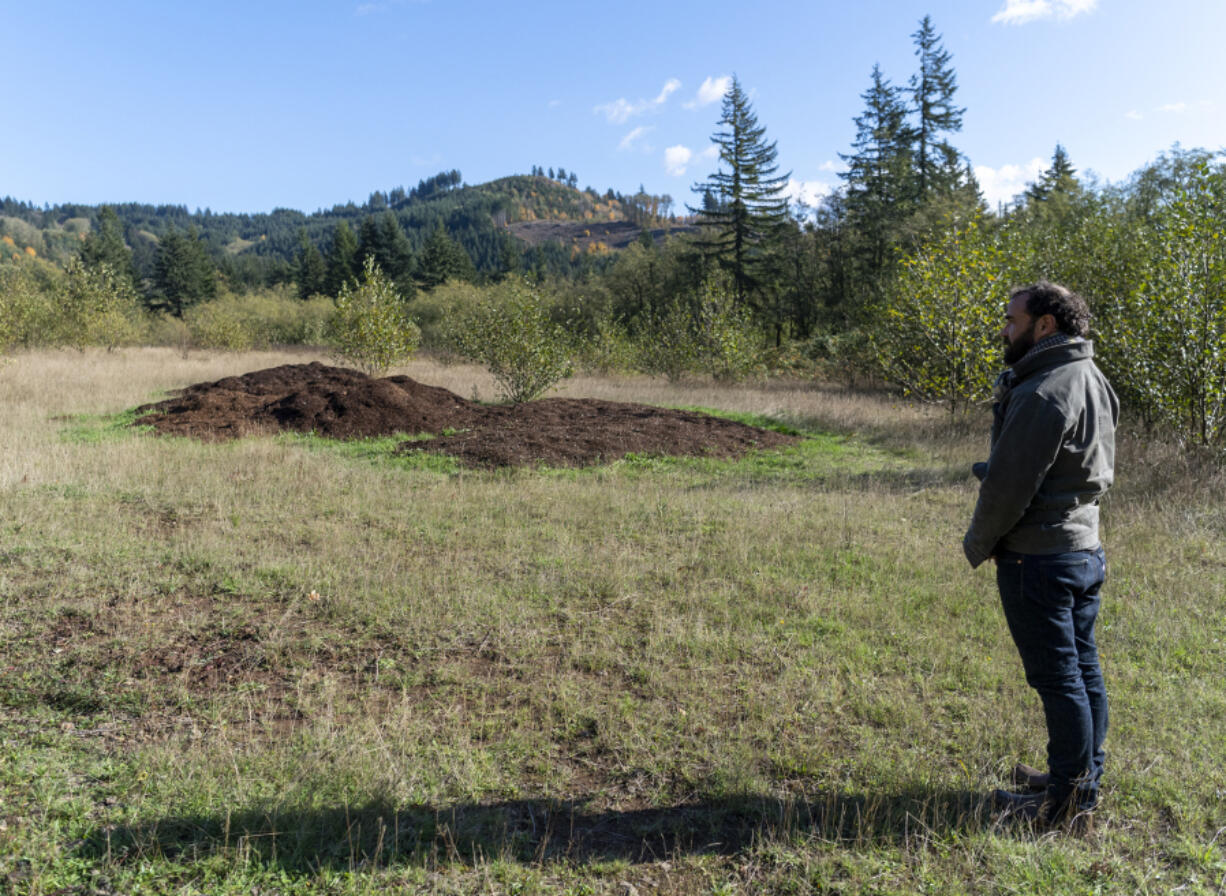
pixel 284 666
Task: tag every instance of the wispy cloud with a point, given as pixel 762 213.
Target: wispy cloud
pixel 1134 115
pixel 1000 185
pixel 1021 12
pixel 810 192
pixel 1176 108
pixel 677 159
pixel 633 137
pixel 711 91
pixel 622 110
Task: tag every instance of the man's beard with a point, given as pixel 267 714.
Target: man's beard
pixel 1016 350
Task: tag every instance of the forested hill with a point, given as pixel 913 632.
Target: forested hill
pixel 497 223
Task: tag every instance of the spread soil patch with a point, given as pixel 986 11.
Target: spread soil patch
pixel 344 404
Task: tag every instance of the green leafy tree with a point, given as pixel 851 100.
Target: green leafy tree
pixel 748 207
pixel 936 335
pixel 371 327
pixel 512 335
pixel 1165 341
pixel 184 273
pixel 98 306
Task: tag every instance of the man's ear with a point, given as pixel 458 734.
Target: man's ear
pixel 1045 326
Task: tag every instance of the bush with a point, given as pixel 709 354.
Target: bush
pixel 98 306
pixel 936 335
pixel 371 327
pixel 28 310
pixel 510 333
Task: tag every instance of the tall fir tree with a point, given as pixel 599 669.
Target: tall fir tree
pixel 932 90
pixel 106 246
pixel 184 272
pixel 311 271
pixel 443 259
pixel 343 264
pixel 747 207
pixel 879 193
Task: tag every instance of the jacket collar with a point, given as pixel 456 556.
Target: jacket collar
pixel 1073 349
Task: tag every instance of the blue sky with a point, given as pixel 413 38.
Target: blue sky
pixel 249 106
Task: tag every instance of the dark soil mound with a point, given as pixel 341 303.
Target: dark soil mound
pixel 575 432
pixel 341 403
pixel 331 401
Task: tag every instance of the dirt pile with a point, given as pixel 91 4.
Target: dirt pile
pixel 339 403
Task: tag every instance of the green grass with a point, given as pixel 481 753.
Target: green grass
pixel 291 665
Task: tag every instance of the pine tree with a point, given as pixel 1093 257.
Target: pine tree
pixel 749 206
pixel 879 194
pixel 443 259
pixel 311 272
pixel 932 91
pixel 342 260
pixel 105 246
pixel 1060 177
pixel 184 273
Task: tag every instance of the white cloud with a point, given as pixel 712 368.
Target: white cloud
pixel 828 166
pixel 622 110
pixel 1133 114
pixel 1020 12
pixel 1000 185
pixel 711 91
pixel 671 86
pixel 677 159
pixel 711 152
pixel 633 137
pixel 1177 108
pixel 810 192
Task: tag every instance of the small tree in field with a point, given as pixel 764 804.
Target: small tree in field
pixel 510 333
pixel 371 327
pixel 936 335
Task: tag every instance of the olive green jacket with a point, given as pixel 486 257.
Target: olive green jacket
pixel 1052 458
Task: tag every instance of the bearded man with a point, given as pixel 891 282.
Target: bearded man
pixel 1052 459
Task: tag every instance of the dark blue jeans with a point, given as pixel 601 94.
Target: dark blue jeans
pixel 1051 603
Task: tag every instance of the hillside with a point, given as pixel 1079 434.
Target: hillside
pixel 546 223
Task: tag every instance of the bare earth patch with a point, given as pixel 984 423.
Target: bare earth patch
pixel 340 403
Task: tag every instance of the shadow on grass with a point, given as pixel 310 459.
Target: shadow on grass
pixel 532 831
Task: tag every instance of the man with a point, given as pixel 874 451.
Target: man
pixel 1052 459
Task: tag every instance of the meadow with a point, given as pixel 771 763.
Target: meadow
pixel 282 665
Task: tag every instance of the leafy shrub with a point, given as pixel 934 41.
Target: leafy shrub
pixel 511 334
pixel 28 306
pixel 936 335
pixel 371 327
pixel 98 306
pixel 219 324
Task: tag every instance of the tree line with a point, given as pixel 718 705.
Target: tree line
pixel 899 273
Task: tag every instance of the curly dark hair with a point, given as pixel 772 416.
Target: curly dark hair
pixel 1070 310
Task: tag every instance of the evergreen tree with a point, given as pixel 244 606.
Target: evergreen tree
pixel 749 205
pixel 381 238
pixel 443 259
pixel 312 271
pixel 1060 177
pixel 184 273
pixel 105 246
pixel 932 91
pixel 342 261
pixel 879 193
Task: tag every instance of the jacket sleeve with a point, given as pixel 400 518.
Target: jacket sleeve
pixel 1029 441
